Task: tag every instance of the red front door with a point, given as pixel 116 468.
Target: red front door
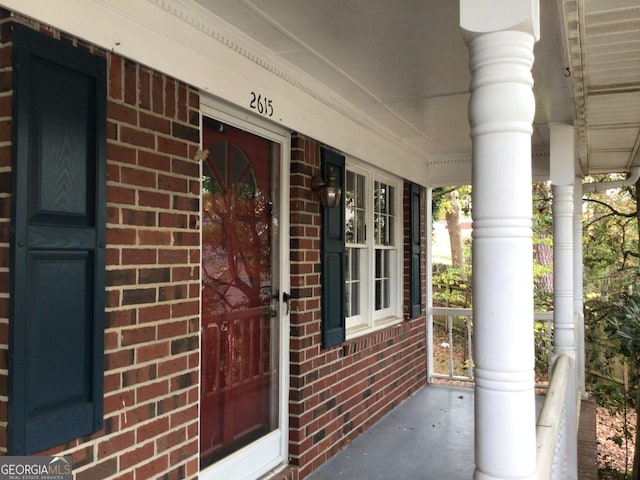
pixel 238 373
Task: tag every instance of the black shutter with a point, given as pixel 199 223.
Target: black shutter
pixel 56 345
pixel 332 258
pixel 415 274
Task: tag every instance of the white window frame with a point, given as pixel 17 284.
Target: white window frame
pixel 368 318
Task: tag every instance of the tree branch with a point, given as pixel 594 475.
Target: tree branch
pixel 613 210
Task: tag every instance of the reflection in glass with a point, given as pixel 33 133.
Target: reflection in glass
pixel 239 334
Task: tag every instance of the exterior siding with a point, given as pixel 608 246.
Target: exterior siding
pixel 153 289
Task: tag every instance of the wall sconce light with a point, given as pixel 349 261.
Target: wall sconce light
pixel 330 193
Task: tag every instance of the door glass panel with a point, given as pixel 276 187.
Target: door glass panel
pixel 239 374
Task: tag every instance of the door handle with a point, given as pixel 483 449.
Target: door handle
pixel 286 298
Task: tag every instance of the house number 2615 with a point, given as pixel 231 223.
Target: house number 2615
pixel 263 105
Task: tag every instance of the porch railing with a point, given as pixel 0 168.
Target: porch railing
pixel 450 335
pixel 548 427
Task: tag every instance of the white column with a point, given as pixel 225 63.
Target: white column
pixel 500 35
pixel 578 286
pixel 564 335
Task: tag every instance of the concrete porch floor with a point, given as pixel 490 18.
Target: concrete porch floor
pixel 429 437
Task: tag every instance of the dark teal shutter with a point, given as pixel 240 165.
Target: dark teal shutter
pixel 56 366
pixel 332 258
pixel 415 265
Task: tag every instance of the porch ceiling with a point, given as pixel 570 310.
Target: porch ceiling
pixel 404 64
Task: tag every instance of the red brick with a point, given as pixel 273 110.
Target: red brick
pixel 153 428
pixel 154 237
pixel 172 329
pixel 136 176
pixel 170 98
pixel 115 76
pixel 139 375
pixel 122 113
pixel 183 167
pixel 172 147
pixel 154 313
pixel 99 471
pixel 157 93
pixel 184 416
pixel 137 454
pixel 153 199
pixel 184 309
pixel 144 99
pixel 118 359
pixel 137 137
pixel 139 256
pixel 118 443
pixel 118 402
pixel 132 336
pixel 120 318
pixel 5 106
pixel 146 353
pixel 172 220
pixel 153 468
pixel 157 389
pixel 5 156
pixel 154 160
pixel 130 82
pixel 182 103
pixel 154 122
pixel 171 439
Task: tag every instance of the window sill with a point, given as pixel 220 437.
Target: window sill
pixel 366 337
pixel 363 329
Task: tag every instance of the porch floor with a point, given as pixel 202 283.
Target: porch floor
pixel 430 436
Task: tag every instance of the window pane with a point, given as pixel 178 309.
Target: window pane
pixel 360 188
pixel 360 237
pixel 387 294
pixel 354 208
pixel 352 281
pixel 382 279
pixel 355 264
pixel 355 299
pixel 387 263
pixel 349 201
pixel 384 214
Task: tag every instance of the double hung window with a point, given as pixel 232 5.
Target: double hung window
pixel 372 249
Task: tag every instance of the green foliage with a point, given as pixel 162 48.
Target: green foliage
pixel 541 341
pixel 621 324
pixel 610 244
pixel 542 212
pixel 623 320
pixel 450 287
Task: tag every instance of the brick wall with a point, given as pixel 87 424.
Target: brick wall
pixel 337 393
pixel 153 267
